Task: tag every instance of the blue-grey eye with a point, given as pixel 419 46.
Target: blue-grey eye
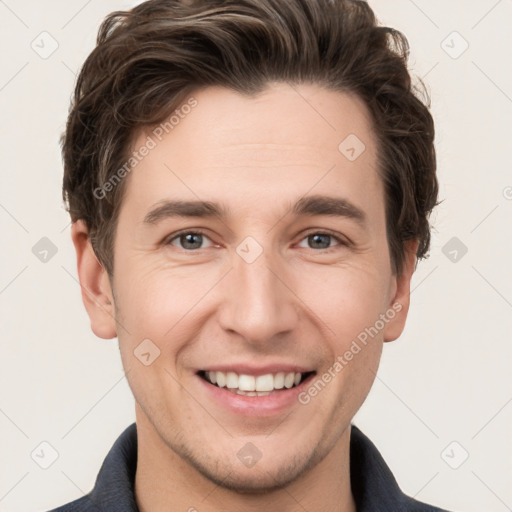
pixel 321 241
pixel 189 240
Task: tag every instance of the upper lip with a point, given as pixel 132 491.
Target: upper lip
pixel 248 369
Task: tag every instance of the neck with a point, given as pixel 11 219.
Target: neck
pixel 163 478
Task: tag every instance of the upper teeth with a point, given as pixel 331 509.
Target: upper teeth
pixel 243 382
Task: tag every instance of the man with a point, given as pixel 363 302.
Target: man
pixel 250 184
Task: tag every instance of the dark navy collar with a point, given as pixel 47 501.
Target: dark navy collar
pixel 373 484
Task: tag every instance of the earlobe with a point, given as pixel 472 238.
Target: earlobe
pixel 95 284
pixel 399 304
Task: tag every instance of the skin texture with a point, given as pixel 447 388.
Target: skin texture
pixel 298 302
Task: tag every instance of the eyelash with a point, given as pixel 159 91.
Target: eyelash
pixel 341 242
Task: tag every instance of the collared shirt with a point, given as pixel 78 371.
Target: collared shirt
pixel 373 484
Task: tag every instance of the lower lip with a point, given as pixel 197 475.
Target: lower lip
pixel 267 405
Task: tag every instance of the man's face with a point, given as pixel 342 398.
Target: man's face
pixel 259 289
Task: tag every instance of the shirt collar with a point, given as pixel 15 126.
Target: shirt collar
pixel 373 484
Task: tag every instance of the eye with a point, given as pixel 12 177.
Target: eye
pixel 188 240
pixel 321 240
pixel 193 240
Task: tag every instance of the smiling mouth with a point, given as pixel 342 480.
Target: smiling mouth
pixel 249 385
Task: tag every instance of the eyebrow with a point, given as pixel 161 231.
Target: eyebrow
pixel 165 209
pixel 306 206
pixel 327 205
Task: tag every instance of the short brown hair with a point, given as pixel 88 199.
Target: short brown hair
pixel 149 59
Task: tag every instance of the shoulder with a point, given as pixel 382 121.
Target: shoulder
pixel 373 484
pixel 114 487
pixel 84 504
pixel 412 505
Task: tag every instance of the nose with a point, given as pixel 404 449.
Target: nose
pixel 258 301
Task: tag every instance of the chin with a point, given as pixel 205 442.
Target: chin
pixel 255 480
pixel 265 476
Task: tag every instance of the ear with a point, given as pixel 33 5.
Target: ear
pixel 401 291
pixel 97 294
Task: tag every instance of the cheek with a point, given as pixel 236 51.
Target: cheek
pixel 151 294
pixel 164 305
pixel 152 308
pixel 346 300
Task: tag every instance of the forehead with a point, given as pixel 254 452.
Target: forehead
pixel 291 115
pixel 279 144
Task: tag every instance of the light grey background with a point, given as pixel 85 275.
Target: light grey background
pixel 446 379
